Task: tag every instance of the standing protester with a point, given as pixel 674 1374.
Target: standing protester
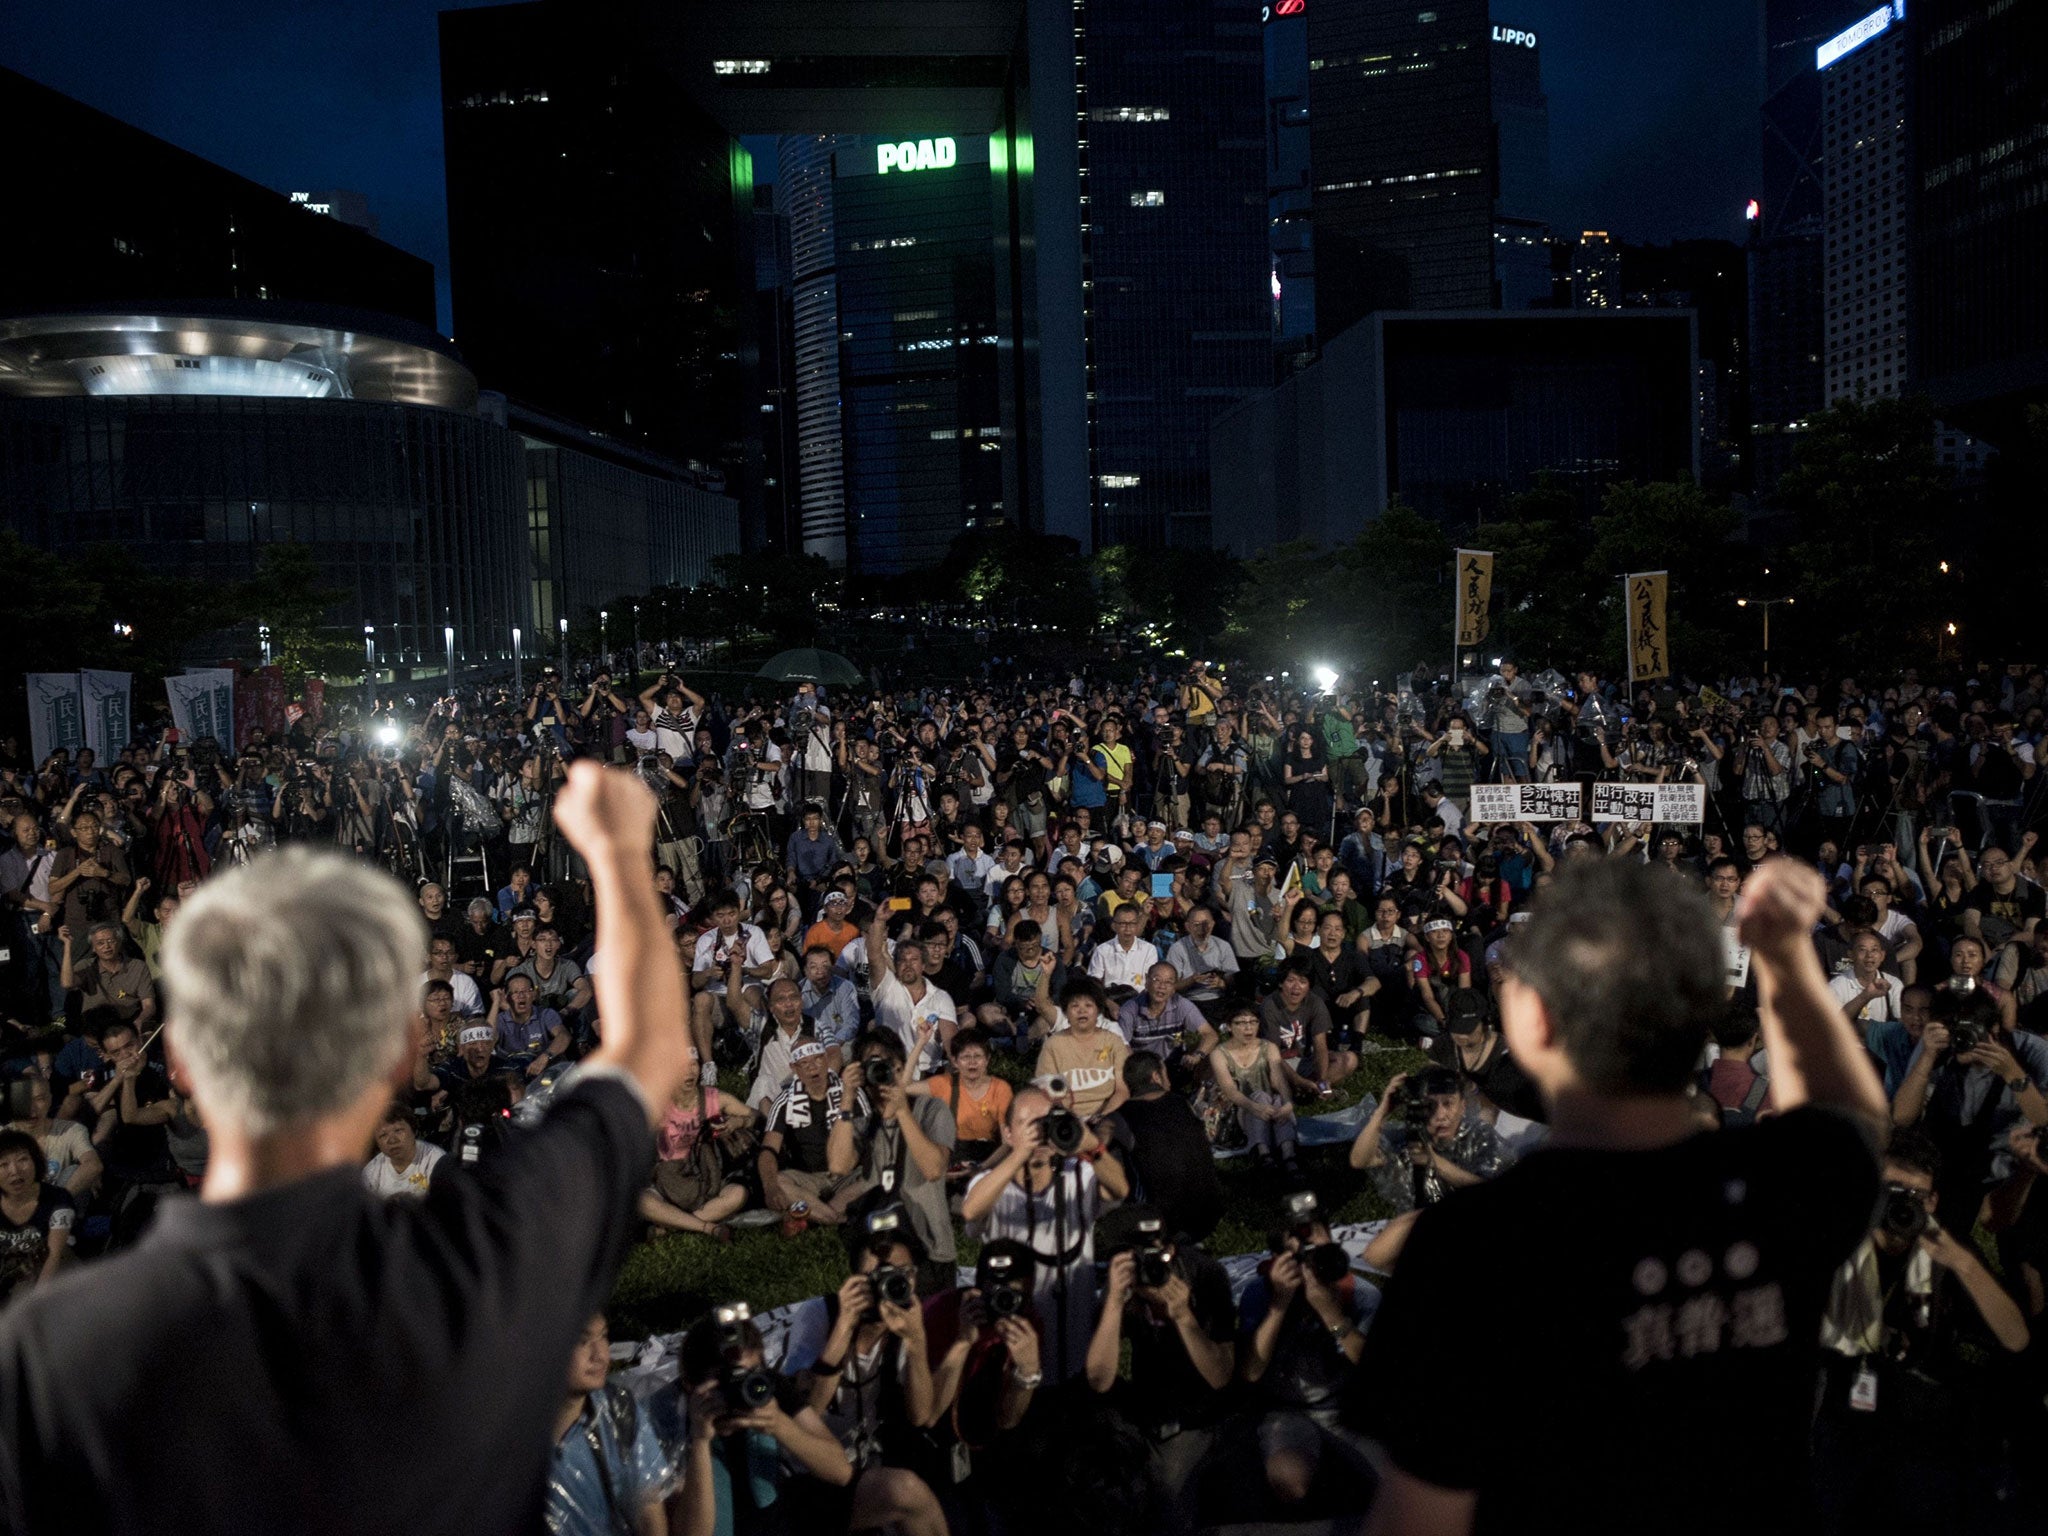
pixel 1694 1303
pixel 293 1059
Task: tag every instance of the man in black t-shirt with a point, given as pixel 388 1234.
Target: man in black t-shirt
pixel 809 1159
pixel 1173 1304
pixel 1650 1284
pixel 1169 1154
pixel 271 1365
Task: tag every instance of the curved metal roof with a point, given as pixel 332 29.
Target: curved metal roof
pixel 267 351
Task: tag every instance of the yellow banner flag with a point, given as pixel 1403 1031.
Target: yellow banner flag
pixel 1713 698
pixel 1475 589
pixel 1649 651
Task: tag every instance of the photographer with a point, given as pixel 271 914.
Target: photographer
pixel 759 1461
pixel 984 1344
pixel 1833 765
pixel 871 1384
pixel 1045 1193
pixel 1437 1143
pixel 1763 768
pixel 904 1146
pixel 1908 1431
pixel 1301 1334
pixel 1969 1082
pixel 1173 1305
pixel 1693 1302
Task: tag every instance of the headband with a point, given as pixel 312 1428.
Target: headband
pixel 1439 925
pixel 807 1050
pixel 475 1033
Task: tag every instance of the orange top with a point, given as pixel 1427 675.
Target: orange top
pixel 829 935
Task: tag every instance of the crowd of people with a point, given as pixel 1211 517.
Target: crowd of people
pixel 1020 963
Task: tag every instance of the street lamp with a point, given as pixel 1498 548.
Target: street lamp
pixel 263 637
pixel 1767 604
pixel 565 650
pixel 636 648
pixel 448 635
pixel 123 631
pixel 518 678
pixel 369 669
pixel 604 644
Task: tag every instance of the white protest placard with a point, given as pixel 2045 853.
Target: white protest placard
pixel 1526 802
pixel 203 704
pixel 1738 958
pixel 1649 802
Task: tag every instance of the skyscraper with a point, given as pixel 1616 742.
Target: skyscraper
pixel 1176 276
pixel 1403 156
pixel 598 221
pixel 1867 184
pixel 1596 271
pixel 918 373
pixel 803 196
pixel 1521 118
pixel 1980 257
pixel 1290 196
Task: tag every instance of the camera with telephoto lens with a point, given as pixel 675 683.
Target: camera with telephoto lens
pixel 878 1071
pixel 744 1387
pixel 1904 1213
pixel 1004 1280
pixel 1328 1262
pixel 1063 1129
pixel 1155 1257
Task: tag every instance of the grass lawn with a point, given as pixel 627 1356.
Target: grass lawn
pixel 671 1280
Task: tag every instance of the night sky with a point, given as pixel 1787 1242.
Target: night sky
pixel 1653 107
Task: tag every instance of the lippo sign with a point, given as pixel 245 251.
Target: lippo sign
pixel 916 155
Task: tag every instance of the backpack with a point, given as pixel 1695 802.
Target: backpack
pixel 1745 1112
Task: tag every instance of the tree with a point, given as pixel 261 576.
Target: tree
pixel 1874 508
pixel 1184 594
pixel 289 596
pixel 1671 526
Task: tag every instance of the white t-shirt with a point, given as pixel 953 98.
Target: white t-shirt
pixel 715 951
pixel 1115 966
pixel 469 1001
pixel 646 741
pixel 896 1010
pixel 387 1181
pixel 1878 1010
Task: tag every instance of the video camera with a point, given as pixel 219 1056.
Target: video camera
pixel 1328 1262
pixel 743 1387
pixel 1416 1100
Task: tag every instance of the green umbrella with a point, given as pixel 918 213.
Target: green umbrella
pixel 806 665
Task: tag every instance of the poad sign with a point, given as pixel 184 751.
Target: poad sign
pixel 916 155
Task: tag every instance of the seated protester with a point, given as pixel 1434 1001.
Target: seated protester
pixel 82 1067
pixel 130 1130
pixel 2002 907
pixel 1901 935
pixel 1173 1303
pixel 1893 1044
pixel 700 1169
pixel 1253 1078
pixel 979 1102
pixel 871 1383
pixel 787 1026
pixel 1049 1201
pixel 808 1161
pixel 558 982
pixel 1437 1145
pixel 609 1474
pixel 531 1037
pixel 951 961
pixel 1204 962
pixel 1160 1019
pixel 1298 1021
pixel 35 1218
pixel 1167 1151
pixel 1119 964
pixel 480 943
pixel 1301 1330
pixel 477 1060
pixel 1733 1082
pixel 108 977
pixel 1085 1052
pixel 1867 993
pixel 1859 915
pixel 985 1362
pixel 1438 970
pixel 70 1161
pixel 1908 1427
pixel 920 1014
pixel 830 1002
pixel 775 1470
pixel 1472 1047
pixel 1971 1080
pixel 1021 972
pixel 904 1144
pixel 1967 962
pixel 442 966
pixel 403 1165
pixel 835 928
pixel 1388 946
pixel 726 940
pixel 1343 977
